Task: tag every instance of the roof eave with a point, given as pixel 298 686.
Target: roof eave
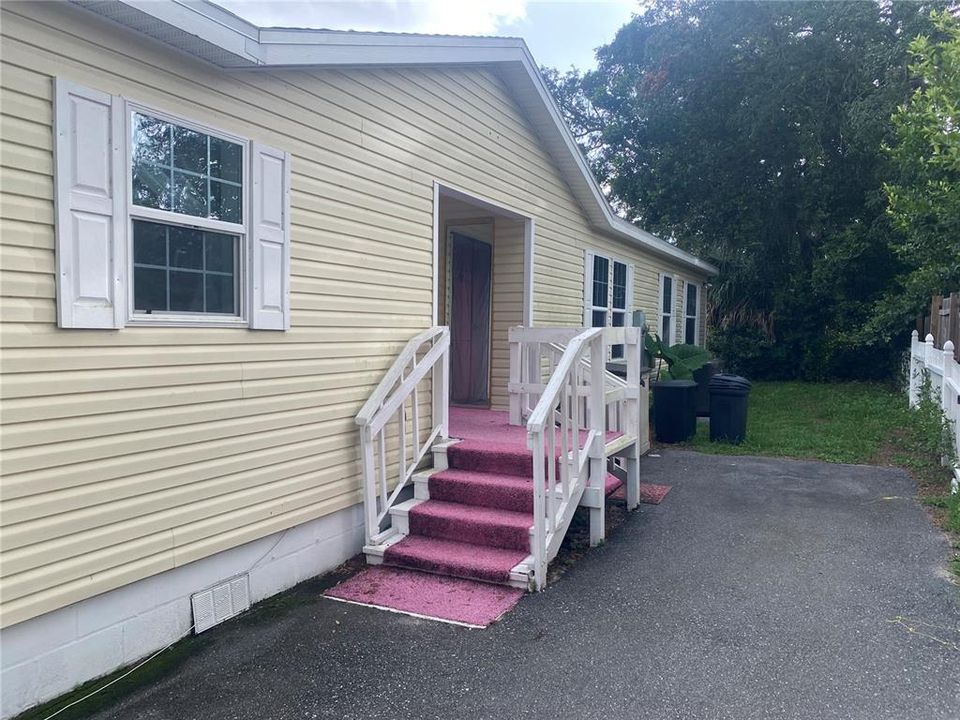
pixel 216 35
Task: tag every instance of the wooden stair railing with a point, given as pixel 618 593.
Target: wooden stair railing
pixel 393 438
pixel 573 409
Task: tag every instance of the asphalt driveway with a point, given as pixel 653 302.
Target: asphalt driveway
pixel 758 589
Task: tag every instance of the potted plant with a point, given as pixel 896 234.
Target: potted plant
pixel 674 390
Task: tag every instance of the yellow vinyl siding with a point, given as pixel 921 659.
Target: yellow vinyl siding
pixel 126 453
pixel 507 304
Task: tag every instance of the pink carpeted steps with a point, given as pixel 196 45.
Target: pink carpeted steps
pixel 477 521
pixel 478 456
pixel 492 490
pixel 449 557
pixel 472 524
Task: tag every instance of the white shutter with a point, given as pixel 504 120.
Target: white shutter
pixel 90 218
pixel 629 302
pixel 588 288
pixel 270 240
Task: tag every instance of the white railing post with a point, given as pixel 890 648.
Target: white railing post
pixel 949 388
pixel 539 549
pixel 515 379
pixel 369 484
pixel 913 378
pixel 947 358
pixel 444 364
pixel 635 417
pixel 598 434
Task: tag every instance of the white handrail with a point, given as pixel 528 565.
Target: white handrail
pixel 573 354
pixel 553 501
pixel 567 418
pixel 386 384
pixel 424 360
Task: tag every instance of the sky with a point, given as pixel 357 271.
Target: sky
pixel 559 33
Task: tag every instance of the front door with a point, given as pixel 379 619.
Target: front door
pixel 470 270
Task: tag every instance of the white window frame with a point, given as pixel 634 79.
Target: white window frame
pixel 167 217
pixel 589 308
pixel 673 309
pixel 686 316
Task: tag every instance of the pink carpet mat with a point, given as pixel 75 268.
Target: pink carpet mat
pixel 448 599
pixel 650 493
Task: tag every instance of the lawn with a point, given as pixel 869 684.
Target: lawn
pixel 842 422
pixel 860 423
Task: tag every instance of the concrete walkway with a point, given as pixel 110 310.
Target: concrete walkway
pixel 758 589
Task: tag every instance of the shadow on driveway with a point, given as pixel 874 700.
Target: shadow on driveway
pixel 760 588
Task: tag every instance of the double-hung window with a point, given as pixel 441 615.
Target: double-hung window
pixel 607 294
pixel 164 220
pixel 187 218
pixel 691 313
pixel 667 304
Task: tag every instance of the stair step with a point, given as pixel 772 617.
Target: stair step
pixel 472 524
pixel 479 457
pixel 492 490
pixel 450 557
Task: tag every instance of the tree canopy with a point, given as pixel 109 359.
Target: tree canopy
pixel 924 196
pixel 752 133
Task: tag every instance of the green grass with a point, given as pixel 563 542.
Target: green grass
pixel 843 422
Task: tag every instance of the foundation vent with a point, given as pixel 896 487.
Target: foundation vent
pixel 221 602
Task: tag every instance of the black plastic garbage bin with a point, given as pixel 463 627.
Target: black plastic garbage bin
pixel 728 408
pixel 674 410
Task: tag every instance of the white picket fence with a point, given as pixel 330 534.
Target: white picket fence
pixel 944 375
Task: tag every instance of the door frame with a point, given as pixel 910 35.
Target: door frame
pixel 482 204
pixel 467 228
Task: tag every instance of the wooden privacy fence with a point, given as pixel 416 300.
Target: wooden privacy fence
pixel 943 322
pixel 942 371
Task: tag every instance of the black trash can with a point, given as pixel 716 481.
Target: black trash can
pixel 728 408
pixel 703 375
pixel 674 410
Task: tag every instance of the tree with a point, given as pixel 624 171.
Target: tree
pixel 751 133
pixel 924 199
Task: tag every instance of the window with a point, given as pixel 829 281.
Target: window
pixel 607 292
pixel 161 220
pixel 183 270
pixel 667 303
pixel 601 291
pixel 691 314
pixel 183 175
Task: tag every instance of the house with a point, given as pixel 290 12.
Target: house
pixel 217 240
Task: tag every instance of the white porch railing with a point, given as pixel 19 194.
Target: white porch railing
pixel 944 374
pixel 393 438
pixel 573 408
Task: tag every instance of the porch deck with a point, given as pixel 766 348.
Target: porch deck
pixel 502 488
pixel 489 434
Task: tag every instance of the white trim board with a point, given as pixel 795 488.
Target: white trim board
pixel 442 190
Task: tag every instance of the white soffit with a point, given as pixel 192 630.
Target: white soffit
pixel 211 33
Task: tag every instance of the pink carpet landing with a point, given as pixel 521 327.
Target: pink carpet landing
pixel 435 597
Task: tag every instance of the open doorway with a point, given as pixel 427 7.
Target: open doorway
pixel 483 279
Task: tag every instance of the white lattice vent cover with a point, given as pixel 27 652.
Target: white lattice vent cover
pixel 221 602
